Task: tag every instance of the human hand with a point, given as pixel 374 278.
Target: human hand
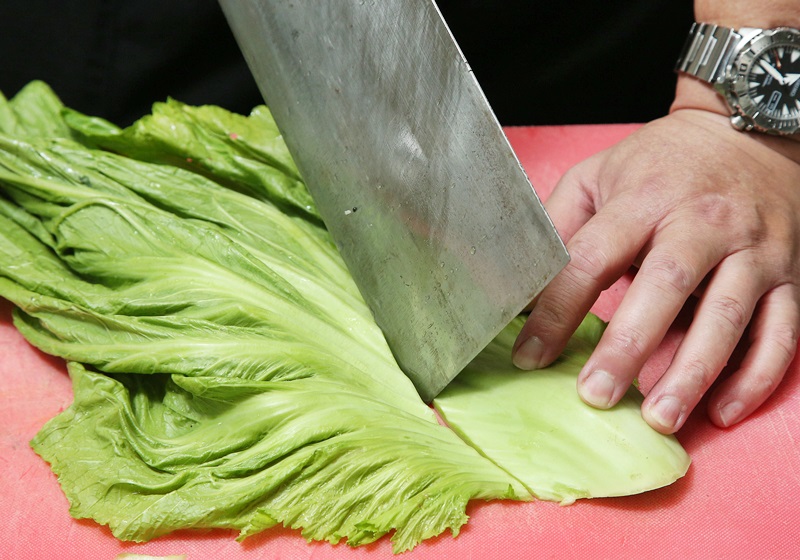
pixel 700 209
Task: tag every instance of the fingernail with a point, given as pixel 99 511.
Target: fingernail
pixel 729 413
pixel 598 389
pixel 529 354
pixel 666 412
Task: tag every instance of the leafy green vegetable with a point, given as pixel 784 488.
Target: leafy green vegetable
pixel 243 153
pixel 34 111
pixel 243 380
pixel 226 371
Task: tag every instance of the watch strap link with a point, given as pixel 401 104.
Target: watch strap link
pixel 707 51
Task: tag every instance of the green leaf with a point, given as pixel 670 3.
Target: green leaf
pixel 35 111
pixel 246 154
pixel 162 453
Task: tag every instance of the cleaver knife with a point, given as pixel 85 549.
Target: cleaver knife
pixel 409 168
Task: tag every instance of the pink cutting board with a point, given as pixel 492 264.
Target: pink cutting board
pixel 740 499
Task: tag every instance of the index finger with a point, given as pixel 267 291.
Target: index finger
pixel 601 252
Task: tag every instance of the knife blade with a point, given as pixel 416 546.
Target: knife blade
pixel 410 169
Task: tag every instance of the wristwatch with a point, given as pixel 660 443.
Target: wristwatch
pixel 757 72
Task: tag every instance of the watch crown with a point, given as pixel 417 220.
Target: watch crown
pixel 740 123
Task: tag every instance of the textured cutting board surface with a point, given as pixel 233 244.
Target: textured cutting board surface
pixel 740 499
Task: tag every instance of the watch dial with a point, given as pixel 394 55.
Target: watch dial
pixel 765 82
pixel 774 80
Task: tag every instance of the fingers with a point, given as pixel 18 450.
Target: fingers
pixel 774 338
pixel 723 313
pixel 667 277
pixel 601 251
pixel 677 260
pixel 569 206
pixel 698 224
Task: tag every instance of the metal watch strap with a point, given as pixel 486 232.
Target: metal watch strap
pixel 707 51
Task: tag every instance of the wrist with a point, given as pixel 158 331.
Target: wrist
pixel 695 92
pixel 692 93
pixel 746 13
pixel 704 110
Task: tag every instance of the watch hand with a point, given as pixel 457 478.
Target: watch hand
pixel 772 72
pixel 790 79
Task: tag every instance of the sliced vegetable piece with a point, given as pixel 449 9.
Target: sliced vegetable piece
pixel 534 425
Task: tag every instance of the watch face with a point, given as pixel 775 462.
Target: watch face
pixel 767 81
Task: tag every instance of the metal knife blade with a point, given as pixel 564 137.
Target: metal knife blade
pixel 410 170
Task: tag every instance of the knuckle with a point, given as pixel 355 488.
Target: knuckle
pixel 717 209
pixel 654 187
pixel 671 274
pixel 744 224
pixel 697 376
pixel 776 260
pixel 550 316
pixel 548 312
pixel 588 260
pixel 730 313
pixel 629 341
pixel 783 338
pixel 764 383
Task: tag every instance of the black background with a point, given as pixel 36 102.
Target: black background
pixel 538 63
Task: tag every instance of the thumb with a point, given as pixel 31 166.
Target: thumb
pixel 572 202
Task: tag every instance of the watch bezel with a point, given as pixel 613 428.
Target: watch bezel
pixel 737 93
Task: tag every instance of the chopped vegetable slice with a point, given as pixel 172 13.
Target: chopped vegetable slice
pixel 534 425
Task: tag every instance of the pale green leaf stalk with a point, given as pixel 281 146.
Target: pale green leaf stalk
pixel 534 425
pixel 227 372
